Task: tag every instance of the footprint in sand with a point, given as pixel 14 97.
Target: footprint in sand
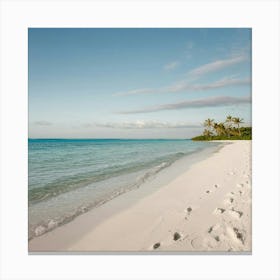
pixel 208 242
pixel 176 236
pixel 236 234
pixel 219 211
pixel 217 238
pixel 216 235
pixel 156 245
pixel 240 185
pixel 228 200
pixel 211 242
pixel 213 228
pixel 210 229
pixel 188 211
pixel 235 213
pixel 197 243
pixel 216 186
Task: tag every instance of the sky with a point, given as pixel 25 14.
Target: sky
pixel 136 82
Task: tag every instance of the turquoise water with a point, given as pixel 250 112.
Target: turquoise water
pixel 69 177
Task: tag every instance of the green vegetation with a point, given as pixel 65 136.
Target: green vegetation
pixel 230 129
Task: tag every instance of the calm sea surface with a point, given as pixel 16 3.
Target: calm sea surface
pixel 69 177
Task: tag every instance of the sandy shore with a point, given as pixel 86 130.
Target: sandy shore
pixel 206 208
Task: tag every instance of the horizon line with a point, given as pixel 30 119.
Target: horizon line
pixel 63 138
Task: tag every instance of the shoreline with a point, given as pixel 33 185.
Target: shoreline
pixel 151 181
pixel 176 207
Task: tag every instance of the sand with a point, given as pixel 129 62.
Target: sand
pixel 205 208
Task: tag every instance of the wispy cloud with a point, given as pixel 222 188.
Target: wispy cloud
pixel 217 101
pixel 138 91
pixel 194 74
pixel 171 66
pixel 225 82
pixel 140 124
pixel 43 123
pixel 217 65
pixel 183 85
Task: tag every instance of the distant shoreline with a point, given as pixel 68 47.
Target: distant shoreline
pixel 230 129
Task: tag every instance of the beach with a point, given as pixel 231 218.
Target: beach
pixel 206 207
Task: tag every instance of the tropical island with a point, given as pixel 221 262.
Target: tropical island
pixel 230 129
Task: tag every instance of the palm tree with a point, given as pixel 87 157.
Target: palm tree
pixel 231 127
pixel 207 133
pixel 215 127
pixel 208 123
pixel 238 121
pixel 229 121
pixel 234 131
pixel 220 128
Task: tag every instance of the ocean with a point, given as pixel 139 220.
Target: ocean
pixel 68 177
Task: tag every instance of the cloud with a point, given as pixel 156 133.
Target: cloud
pixel 225 82
pixel 217 101
pixel 43 123
pixel 138 91
pixel 181 86
pixel 147 125
pixel 216 65
pixel 171 66
pixel 185 85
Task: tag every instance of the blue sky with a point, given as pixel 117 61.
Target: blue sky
pixel 136 83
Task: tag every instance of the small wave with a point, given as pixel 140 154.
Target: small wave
pixel 70 183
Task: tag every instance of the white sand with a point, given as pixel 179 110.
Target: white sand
pixel 207 208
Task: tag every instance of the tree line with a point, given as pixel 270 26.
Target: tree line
pixel 229 129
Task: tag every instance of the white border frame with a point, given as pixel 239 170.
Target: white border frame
pixel 17 16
